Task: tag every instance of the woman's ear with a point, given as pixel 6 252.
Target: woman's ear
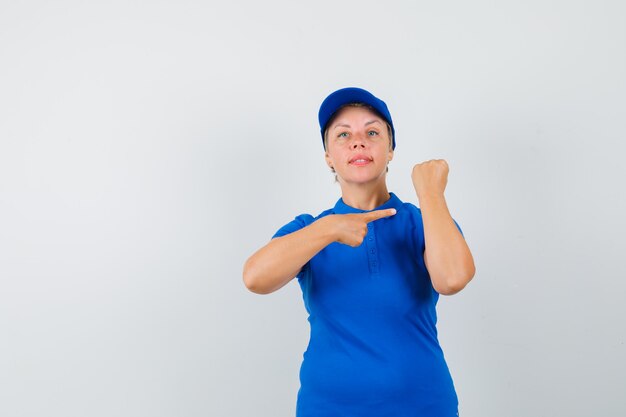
pixel 329 162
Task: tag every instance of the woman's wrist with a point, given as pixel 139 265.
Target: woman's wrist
pixel 325 229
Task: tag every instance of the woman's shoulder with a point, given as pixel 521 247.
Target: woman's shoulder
pixel 412 208
pixel 300 221
pixel 413 212
pixel 305 218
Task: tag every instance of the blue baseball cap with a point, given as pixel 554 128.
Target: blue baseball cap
pixel 340 98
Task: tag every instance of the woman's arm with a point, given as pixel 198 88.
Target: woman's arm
pixel 278 262
pixel 447 257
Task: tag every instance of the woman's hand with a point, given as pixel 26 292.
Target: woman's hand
pixel 430 178
pixel 350 229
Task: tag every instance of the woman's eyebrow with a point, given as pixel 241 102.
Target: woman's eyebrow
pixel 348 126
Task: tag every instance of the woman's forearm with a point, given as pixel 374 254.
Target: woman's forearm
pixel 278 262
pixel 448 258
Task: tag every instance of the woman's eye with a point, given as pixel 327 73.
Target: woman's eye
pixel 343 135
pixel 372 133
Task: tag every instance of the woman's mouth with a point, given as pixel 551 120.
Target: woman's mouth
pixel 360 160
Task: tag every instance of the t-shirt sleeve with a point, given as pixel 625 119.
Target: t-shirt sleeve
pixel 296 224
pixel 459 227
pixel 418 232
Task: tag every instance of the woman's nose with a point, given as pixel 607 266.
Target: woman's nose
pixel 358 141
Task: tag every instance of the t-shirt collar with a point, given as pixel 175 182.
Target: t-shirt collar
pixel 343 208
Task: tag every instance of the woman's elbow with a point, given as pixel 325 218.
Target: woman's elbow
pixel 251 278
pixel 448 289
pixel 454 285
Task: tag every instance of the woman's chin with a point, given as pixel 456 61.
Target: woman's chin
pixel 362 179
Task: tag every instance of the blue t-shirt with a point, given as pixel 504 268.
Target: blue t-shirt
pixel 373 349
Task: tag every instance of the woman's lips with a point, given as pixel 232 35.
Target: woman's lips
pixel 360 160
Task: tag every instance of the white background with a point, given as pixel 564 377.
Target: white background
pixel 148 148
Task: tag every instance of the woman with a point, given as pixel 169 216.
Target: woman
pixel 371 270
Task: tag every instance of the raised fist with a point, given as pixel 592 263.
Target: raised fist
pixel 430 177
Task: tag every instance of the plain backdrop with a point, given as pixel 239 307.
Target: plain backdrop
pixel 147 148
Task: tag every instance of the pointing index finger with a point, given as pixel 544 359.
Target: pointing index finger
pixel 378 214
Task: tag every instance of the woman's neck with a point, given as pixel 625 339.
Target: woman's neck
pixel 365 196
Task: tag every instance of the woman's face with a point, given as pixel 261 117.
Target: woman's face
pixel 359 146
